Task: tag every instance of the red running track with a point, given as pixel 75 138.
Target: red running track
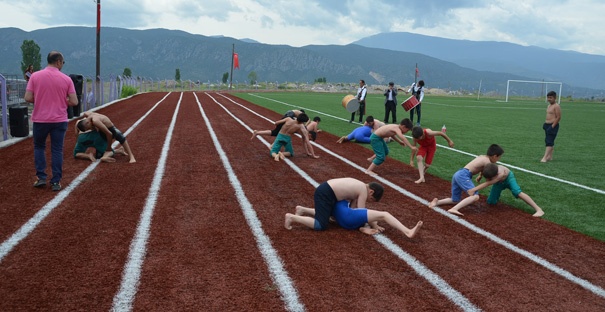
pixel 208 247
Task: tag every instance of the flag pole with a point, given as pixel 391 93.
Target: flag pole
pixel 231 75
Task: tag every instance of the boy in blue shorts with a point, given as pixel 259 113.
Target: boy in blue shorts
pixel 326 197
pixel 462 180
pixel 366 220
pixel 502 178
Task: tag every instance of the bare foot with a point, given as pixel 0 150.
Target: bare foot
pixel 538 213
pixel 341 139
pixel 372 173
pixel 368 230
pixel 415 229
pixel 281 156
pixel 455 212
pixel 121 151
pixel 288 221
pixel 379 228
pixel 313 156
pixel 132 160
pixel 276 156
pixel 299 210
pixel 433 203
pixel 253 134
pixel 91 156
pixel 108 159
pixel 543 160
pixel 372 158
pixel 419 181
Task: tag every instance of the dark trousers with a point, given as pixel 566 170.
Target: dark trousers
pixel 390 107
pixel 56 131
pixel 417 109
pixel 361 110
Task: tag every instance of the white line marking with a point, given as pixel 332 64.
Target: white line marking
pixel 274 262
pixel 455 150
pixel 440 284
pixel 546 264
pixel 131 275
pixel 32 223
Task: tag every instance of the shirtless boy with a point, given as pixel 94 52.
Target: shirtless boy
pixel 502 178
pixel 379 146
pixel 362 134
pixel 337 197
pixel 92 145
pixel 291 114
pixel 313 128
pixel 462 180
pixel 551 125
pixel 428 146
pixel 284 138
pixel 103 124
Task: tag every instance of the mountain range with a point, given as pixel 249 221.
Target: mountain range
pixel 443 63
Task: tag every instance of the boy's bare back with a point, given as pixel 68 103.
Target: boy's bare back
pixel 388 131
pixel 350 189
pixel 477 164
pixel 100 117
pixel 291 126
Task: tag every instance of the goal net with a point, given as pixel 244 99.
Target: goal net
pixel 531 89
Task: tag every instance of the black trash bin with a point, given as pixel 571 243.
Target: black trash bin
pixel 78 81
pixel 19 121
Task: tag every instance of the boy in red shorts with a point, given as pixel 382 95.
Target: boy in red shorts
pixel 428 145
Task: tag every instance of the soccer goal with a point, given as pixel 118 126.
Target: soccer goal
pixel 545 83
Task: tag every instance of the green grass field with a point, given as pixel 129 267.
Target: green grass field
pixel 573 199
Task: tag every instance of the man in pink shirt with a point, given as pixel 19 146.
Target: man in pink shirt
pixel 51 92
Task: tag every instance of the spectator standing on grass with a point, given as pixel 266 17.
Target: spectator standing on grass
pixel 417 90
pixel 390 103
pixel 551 125
pixel 51 92
pixel 362 91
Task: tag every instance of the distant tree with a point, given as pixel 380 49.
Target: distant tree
pixel 177 75
pixel 225 77
pixel 127 72
pixel 252 77
pixel 31 55
pixel 321 80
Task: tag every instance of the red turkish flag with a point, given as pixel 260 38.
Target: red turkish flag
pixel 235 61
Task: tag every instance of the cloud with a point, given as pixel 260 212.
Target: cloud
pixel 559 24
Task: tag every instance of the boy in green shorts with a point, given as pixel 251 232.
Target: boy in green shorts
pixel 502 178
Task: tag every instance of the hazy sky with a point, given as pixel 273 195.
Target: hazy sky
pixel 559 24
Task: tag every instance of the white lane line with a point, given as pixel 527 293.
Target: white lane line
pixel 545 263
pixel 440 284
pixel 452 149
pixel 32 223
pixel 124 298
pixel 274 262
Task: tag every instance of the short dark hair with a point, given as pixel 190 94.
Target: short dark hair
pixel 551 93
pixel 391 83
pixel 362 81
pixel 407 123
pixel 53 57
pixel 370 119
pixel 80 125
pixel 378 190
pixel 302 117
pixel 417 132
pixel 490 170
pixel 494 150
pixel 316 118
pixel 421 83
pixel 302 110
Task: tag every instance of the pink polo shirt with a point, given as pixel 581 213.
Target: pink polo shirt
pixel 51 88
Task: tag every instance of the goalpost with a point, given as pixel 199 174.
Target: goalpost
pixel 546 83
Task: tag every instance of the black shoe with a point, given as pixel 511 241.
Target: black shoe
pixel 55 186
pixel 40 183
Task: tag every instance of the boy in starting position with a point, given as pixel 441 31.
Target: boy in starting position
pixel 502 178
pixel 428 145
pixel 103 124
pixel 462 180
